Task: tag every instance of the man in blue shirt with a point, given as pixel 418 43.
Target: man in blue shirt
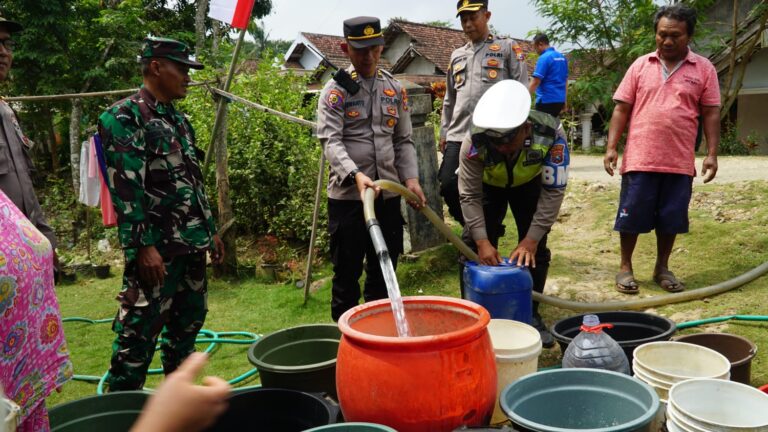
pixel 550 77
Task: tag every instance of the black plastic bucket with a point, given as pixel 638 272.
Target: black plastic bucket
pixel 630 329
pixel 267 409
pixel 299 358
pixel 114 412
pixel 738 350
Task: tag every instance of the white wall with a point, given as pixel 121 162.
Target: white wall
pixel 756 76
pixel 420 66
pixel 397 48
pixel 309 60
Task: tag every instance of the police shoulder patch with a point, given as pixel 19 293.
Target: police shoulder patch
pixel 335 99
pixel 404 98
pixel 518 52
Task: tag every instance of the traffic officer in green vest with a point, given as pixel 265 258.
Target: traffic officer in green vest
pixel 519 158
pixel 474 67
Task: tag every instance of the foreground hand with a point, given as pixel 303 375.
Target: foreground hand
pixel 525 253
pixel 609 161
pixel 364 182
pixel 413 186
pixel 487 253
pixel 151 267
pixel 709 168
pixel 443 142
pixel 217 254
pixel 179 405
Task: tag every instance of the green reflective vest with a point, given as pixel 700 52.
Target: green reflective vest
pixel 525 165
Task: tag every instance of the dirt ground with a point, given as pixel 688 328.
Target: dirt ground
pixel 730 169
pixel 588 175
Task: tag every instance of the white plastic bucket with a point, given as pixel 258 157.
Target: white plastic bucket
pixel 517 347
pixel 678 361
pixel 9 412
pixel 681 421
pixel 719 406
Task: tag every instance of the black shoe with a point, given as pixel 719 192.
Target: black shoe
pixel 547 340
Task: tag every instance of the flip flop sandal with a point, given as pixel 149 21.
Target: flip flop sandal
pixel 668 282
pixel 625 283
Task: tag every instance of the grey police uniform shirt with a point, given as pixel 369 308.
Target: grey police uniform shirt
pixel 369 131
pixel 471 193
pixel 474 68
pixel 15 171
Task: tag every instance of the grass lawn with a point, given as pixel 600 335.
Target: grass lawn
pixel 729 235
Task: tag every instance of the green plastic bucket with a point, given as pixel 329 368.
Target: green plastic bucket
pixel 570 399
pixel 299 358
pixel 352 427
pixel 113 412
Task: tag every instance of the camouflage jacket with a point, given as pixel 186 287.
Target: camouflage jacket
pixel 154 176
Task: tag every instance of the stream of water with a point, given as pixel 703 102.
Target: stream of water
pixel 393 290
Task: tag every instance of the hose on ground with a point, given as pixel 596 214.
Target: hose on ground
pixel 210 337
pixel 642 303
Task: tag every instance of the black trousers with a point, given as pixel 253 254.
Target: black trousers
pixel 551 108
pixel 449 180
pixel 352 250
pixel 522 200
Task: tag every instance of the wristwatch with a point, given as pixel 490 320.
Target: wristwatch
pixel 352 174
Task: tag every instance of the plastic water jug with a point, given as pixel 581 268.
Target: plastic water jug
pixel 593 348
pixel 504 290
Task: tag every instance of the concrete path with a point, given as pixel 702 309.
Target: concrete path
pixel 730 169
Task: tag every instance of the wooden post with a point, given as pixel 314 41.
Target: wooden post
pixel 223 102
pixel 423 234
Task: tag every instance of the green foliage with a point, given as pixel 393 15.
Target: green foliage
pixel 610 36
pixel 731 144
pixel 272 162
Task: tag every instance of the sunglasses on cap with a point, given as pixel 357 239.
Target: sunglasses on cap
pixel 502 138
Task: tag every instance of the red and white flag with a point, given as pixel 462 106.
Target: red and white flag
pixel 236 13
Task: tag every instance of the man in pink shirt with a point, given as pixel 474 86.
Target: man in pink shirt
pixel 663 96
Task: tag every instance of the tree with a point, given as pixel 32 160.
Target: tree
pixel 741 48
pixel 609 34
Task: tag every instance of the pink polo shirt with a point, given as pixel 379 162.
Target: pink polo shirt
pixel 664 119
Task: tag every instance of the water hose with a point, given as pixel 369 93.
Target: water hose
pixel 210 337
pixel 643 303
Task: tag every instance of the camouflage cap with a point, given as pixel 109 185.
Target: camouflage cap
pixel 11 26
pixel 170 49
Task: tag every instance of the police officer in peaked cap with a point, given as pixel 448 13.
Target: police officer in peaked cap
pixel 364 125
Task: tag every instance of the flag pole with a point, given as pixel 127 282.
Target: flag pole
pixel 223 101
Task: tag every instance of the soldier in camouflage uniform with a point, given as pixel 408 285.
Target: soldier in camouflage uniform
pixel 165 224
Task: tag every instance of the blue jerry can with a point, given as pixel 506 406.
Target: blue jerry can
pixel 504 290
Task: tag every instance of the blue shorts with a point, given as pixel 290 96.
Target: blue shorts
pixel 652 200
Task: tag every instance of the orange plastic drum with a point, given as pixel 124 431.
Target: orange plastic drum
pixel 441 378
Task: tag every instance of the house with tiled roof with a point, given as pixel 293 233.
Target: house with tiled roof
pixel 415 52
pixel 422 52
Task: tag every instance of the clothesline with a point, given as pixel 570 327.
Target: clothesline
pixel 45 98
pixel 282 115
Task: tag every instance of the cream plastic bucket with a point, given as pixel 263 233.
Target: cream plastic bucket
pixel 678 361
pixel 718 406
pixel 9 412
pixel 517 347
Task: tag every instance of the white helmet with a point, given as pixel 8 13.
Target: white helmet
pixel 502 108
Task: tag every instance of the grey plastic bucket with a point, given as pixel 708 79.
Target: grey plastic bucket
pixel 113 412
pixel 353 427
pixel 300 358
pixel 569 399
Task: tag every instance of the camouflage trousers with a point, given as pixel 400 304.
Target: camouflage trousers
pixel 177 308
